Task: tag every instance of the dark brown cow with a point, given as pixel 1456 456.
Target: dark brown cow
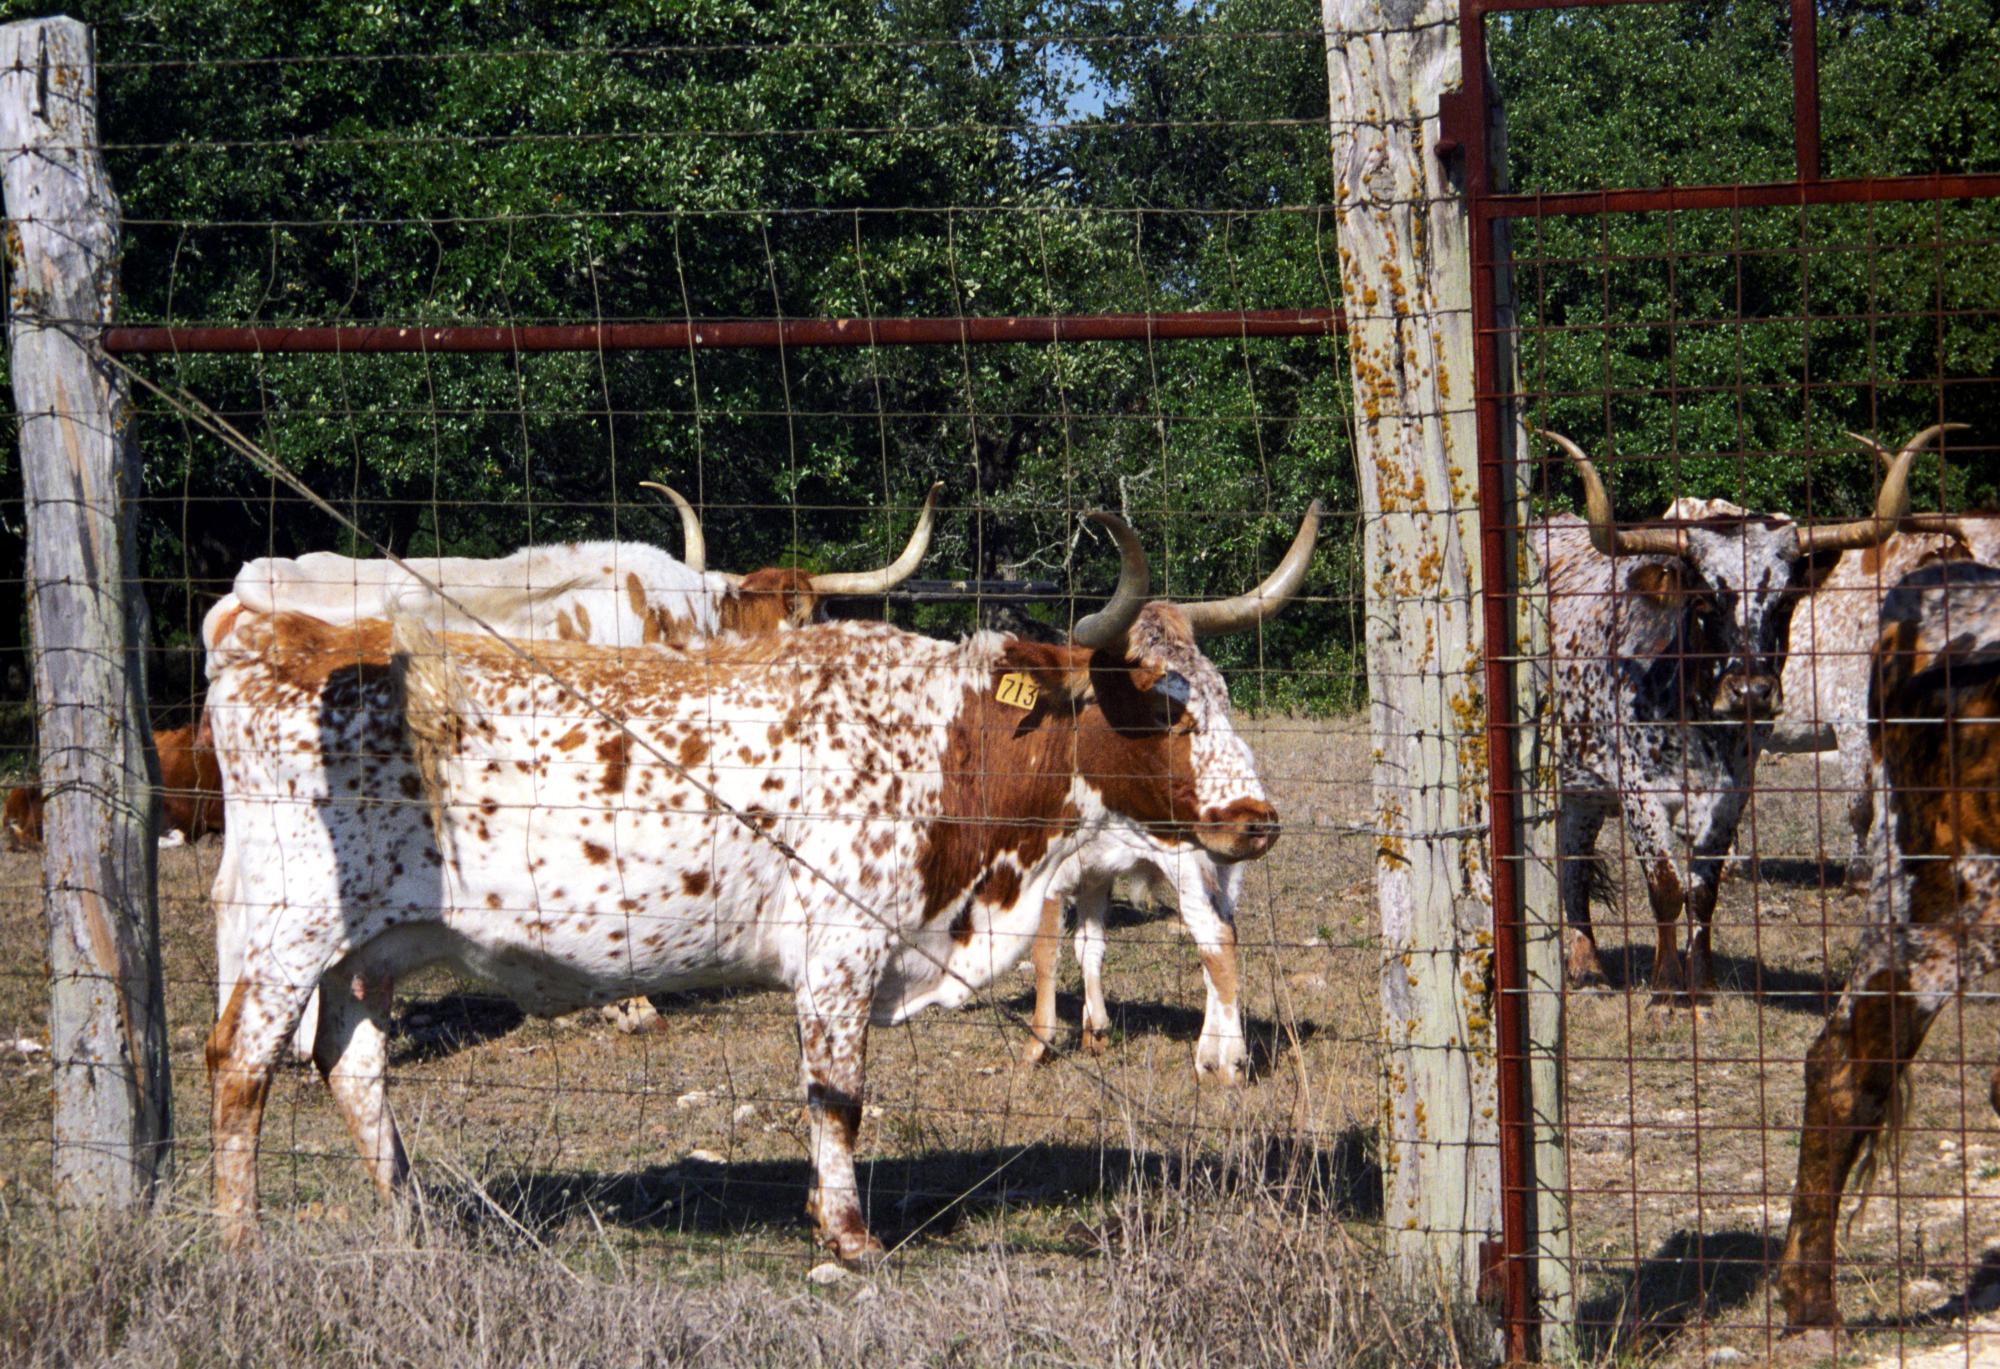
pixel 1934 926
pixel 190 791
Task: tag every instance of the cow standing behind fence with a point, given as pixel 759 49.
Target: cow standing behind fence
pixel 1833 635
pixel 1934 929
pixel 1668 640
pixel 190 793
pixel 835 810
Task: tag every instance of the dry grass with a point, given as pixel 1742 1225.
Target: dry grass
pixel 1195 1276
pixel 1089 1210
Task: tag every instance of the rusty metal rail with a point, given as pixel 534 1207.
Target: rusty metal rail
pixel 729 333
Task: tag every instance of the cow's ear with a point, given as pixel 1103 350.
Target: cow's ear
pixel 1662 584
pixel 1819 565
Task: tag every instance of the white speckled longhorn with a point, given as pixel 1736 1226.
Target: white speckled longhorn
pixel 838 810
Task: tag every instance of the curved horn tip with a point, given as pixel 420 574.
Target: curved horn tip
pixel 1242 612
pixel 695 549
pixel 885 578
pixel 1106 628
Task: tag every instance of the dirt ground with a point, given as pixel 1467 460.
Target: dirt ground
pixel 684 1148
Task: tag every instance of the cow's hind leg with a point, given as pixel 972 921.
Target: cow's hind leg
pixel 1047 952
pixel 1093 898
pixel 833 1041
pixel 1854 1072
pixel 243 1050
pixel 351 1048
pixel 1577 830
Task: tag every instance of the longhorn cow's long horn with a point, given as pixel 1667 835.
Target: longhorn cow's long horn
pixel 694 550
pixel 887 577
pixel 1892 503
pixel 1605 533
pixel 1937 525
pixel 1107 627
pixel 1882 453
pixel 1245 611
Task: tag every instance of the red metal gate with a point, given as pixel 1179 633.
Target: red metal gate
pixel 1466 122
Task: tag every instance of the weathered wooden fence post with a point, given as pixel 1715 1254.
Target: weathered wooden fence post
pixel 107 1018
pixel 1406 285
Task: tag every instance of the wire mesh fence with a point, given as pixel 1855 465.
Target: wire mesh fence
pixel 965 172
pixel 1713 357
pixel 710 183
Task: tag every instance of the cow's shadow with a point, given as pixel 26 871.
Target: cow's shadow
pixel 1693 1277
pixel 1629 968
pixel 438 1028
pixel 931 1194
pixel 1263 1035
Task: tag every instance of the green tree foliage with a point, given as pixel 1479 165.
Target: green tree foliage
pixel 432 163
pixel 465 161
pixel 1730 350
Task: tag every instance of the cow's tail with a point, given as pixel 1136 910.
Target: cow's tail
pixel 1886 1137
pixel 1601 884
pixel 437 708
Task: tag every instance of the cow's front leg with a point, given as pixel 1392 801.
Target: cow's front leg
pixel 1222 1052
pixel 833 1040
pixel 1576 835
pixel 1858 778
pixel 1712 840
pixel 1646 827
pixel 1047 952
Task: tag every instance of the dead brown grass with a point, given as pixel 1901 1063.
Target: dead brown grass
pixel 1197 1277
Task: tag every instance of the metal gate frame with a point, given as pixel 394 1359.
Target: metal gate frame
pixel 1466 126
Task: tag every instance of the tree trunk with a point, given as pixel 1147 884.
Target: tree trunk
pixel 107 1020
pixel 1406 277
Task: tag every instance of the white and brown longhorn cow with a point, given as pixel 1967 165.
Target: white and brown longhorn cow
pixel 1833 634
pixel 1668 640
pixel 620 594
pixel 1205 891
pixel 834 810
pixel 606 593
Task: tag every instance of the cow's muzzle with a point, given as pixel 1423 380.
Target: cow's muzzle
pixel 1241 830
pixel 1752 694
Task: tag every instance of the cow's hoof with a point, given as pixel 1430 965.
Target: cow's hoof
pixel 1094 1041
pixel 1033 1051
pixel 855 1249
pixel 239 1235
pixel 1221 1058
pixel 1583 967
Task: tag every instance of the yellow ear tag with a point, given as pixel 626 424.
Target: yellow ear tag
pixel 1017 690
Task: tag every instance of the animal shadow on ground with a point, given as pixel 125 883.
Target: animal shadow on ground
pixel 436 1028
pixel 1827 876
pixel 1129 1019
pixel 1630 967
pixel 1981 1295
pixel 1692 1278
pixel 927 1195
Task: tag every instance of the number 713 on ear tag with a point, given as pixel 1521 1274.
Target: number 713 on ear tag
pixel 1017 690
